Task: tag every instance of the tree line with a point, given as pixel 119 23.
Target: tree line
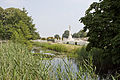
pixel 16 25
pixel 80 34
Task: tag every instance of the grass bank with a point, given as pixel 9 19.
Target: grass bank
pixel 62 48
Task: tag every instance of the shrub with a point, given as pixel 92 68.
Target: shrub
pixel 100 62
pixel 82 53
pixel 43 39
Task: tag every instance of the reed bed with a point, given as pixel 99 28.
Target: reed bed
pixel 17 63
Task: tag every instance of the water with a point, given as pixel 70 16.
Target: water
pixel 59 59
pixel 49 54
pixel 42 51
pixel 63 63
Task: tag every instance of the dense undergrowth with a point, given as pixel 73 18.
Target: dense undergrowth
pixel 100 63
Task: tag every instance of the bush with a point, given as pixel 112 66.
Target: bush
pixel 82 53
pixel 43 39
pixel 100 62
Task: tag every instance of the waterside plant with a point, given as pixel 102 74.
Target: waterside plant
pixel 17 63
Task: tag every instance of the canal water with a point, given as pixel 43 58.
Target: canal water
pixel 63 62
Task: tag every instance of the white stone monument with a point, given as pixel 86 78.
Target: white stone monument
pixel 74 41
pixel 70 35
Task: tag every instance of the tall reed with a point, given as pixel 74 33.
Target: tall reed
pixel 17 63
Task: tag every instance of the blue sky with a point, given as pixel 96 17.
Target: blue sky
pixel 52 16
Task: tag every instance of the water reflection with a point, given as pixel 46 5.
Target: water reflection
pixel 64 64
pixel 72 63
pixel 42 51
pixel 68 67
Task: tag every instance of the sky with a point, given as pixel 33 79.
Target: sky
pixel 52 16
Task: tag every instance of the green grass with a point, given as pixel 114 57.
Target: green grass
pixel 57 47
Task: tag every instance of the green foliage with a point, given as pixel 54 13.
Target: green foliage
pixel 50 38
pixel 95 58
pixel 85 55
pixel 18 37
pixel 16 20
pixel 43 39
pixel 102 22
pixel 57 36
pixel 55 47
pixel 65 34
pixel 16 63
pixel 80 34
pixel 82 53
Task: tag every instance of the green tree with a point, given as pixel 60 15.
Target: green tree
pixel 16 25
pixel 57 36
pixel 102 20
pixel 11 18
pixel 21 34
pixel 65 34
pixel 80 34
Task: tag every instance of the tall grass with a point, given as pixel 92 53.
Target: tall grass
pixel 16 63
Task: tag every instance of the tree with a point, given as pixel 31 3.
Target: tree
pixel 80 34
pixel 16 25
pixel 57 36
pixel 102 20
pixel 11 18
pixel 65 34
